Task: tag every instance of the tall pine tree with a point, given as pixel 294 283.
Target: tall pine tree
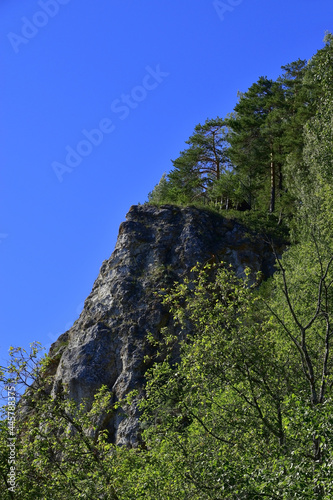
pixel 200 165
pixel 252 139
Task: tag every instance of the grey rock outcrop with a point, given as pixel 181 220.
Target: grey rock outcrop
pixel 108 343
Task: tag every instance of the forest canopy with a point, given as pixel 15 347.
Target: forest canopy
pixel 251 159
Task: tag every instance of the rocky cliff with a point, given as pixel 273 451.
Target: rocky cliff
pixel 108 343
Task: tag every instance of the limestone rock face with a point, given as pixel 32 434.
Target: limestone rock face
pixel 108 343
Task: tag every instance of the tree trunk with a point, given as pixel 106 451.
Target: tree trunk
pixel 280 175
pixel 272 201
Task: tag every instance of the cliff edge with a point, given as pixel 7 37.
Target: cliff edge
pixel 108 343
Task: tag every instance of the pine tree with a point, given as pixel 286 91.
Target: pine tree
pixel 252 141
pixel 202 163
pixel 160 192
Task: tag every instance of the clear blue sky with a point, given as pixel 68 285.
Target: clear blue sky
pixel 140 75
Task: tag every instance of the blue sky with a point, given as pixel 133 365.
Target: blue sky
pixel 96 98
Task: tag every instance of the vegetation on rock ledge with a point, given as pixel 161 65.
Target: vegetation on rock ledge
pixel 246 410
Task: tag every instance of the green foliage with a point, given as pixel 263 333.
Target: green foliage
pixel 228 191
pixel 268 225
pixel 241 407
pixel 160 191
pixel 255 131
pixel 260 155
pixel 197 167
pixel 311 175
pixel 233 417
pixel 61 451
pixel 237 410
